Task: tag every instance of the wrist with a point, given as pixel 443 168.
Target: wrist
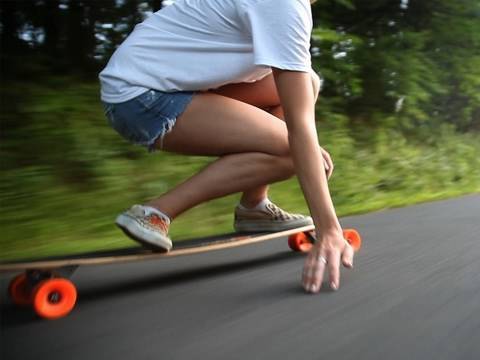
pixel 331 229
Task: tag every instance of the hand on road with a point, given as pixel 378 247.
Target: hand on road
pixel 327 253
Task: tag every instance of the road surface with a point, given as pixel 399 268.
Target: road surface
pixel 414 294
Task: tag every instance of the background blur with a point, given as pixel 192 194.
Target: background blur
pixel 400 114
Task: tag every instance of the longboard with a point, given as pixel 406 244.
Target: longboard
pixel 44 284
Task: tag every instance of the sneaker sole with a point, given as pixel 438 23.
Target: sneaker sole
pixel 134 230
pixel 270 226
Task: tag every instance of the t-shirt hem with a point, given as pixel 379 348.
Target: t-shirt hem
pixel 283 65
pixel 116 99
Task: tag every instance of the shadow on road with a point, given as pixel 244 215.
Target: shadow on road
pixel 174 277
pixel 14 315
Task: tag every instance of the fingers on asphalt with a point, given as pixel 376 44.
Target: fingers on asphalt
pixel 347 256
pixel 334 269
pixel 315 266
pixel 313 272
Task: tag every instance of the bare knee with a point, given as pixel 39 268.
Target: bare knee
pixel 284 166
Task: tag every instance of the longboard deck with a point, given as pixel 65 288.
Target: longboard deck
pixel 181 248
pixel 52 295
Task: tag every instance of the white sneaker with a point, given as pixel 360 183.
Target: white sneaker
pixel 267 216
pixel 147 226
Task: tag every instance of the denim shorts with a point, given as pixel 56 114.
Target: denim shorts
pixel 148 117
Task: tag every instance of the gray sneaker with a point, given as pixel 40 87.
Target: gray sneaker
pixel 268 217
pixel 146 226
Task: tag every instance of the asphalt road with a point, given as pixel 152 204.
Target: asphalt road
pixel 414 294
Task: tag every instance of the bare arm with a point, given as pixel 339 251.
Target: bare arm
pixel 297 99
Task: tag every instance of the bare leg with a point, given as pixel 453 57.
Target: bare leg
pixel 253 146
pixel 252 143
pixel 229 174
pixel 262 94
pixel 251 197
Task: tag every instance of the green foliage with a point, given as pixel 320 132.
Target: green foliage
pixel 421 60
pixel 341 73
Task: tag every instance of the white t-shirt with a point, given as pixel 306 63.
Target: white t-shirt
pixel 204 44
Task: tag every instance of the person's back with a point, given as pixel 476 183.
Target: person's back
pixel 204 44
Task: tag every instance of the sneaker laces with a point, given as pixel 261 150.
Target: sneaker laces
pixel 149 216
pixel 157 222
pixel 279 214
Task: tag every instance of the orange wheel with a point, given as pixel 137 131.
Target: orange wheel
pixel 19 290
pixel 54 298
pixel 299 242
pixel 353 238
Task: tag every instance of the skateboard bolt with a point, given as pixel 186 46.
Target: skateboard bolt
pixel 54 297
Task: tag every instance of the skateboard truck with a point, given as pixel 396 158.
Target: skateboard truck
pixel 49 292
pixel 303 241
